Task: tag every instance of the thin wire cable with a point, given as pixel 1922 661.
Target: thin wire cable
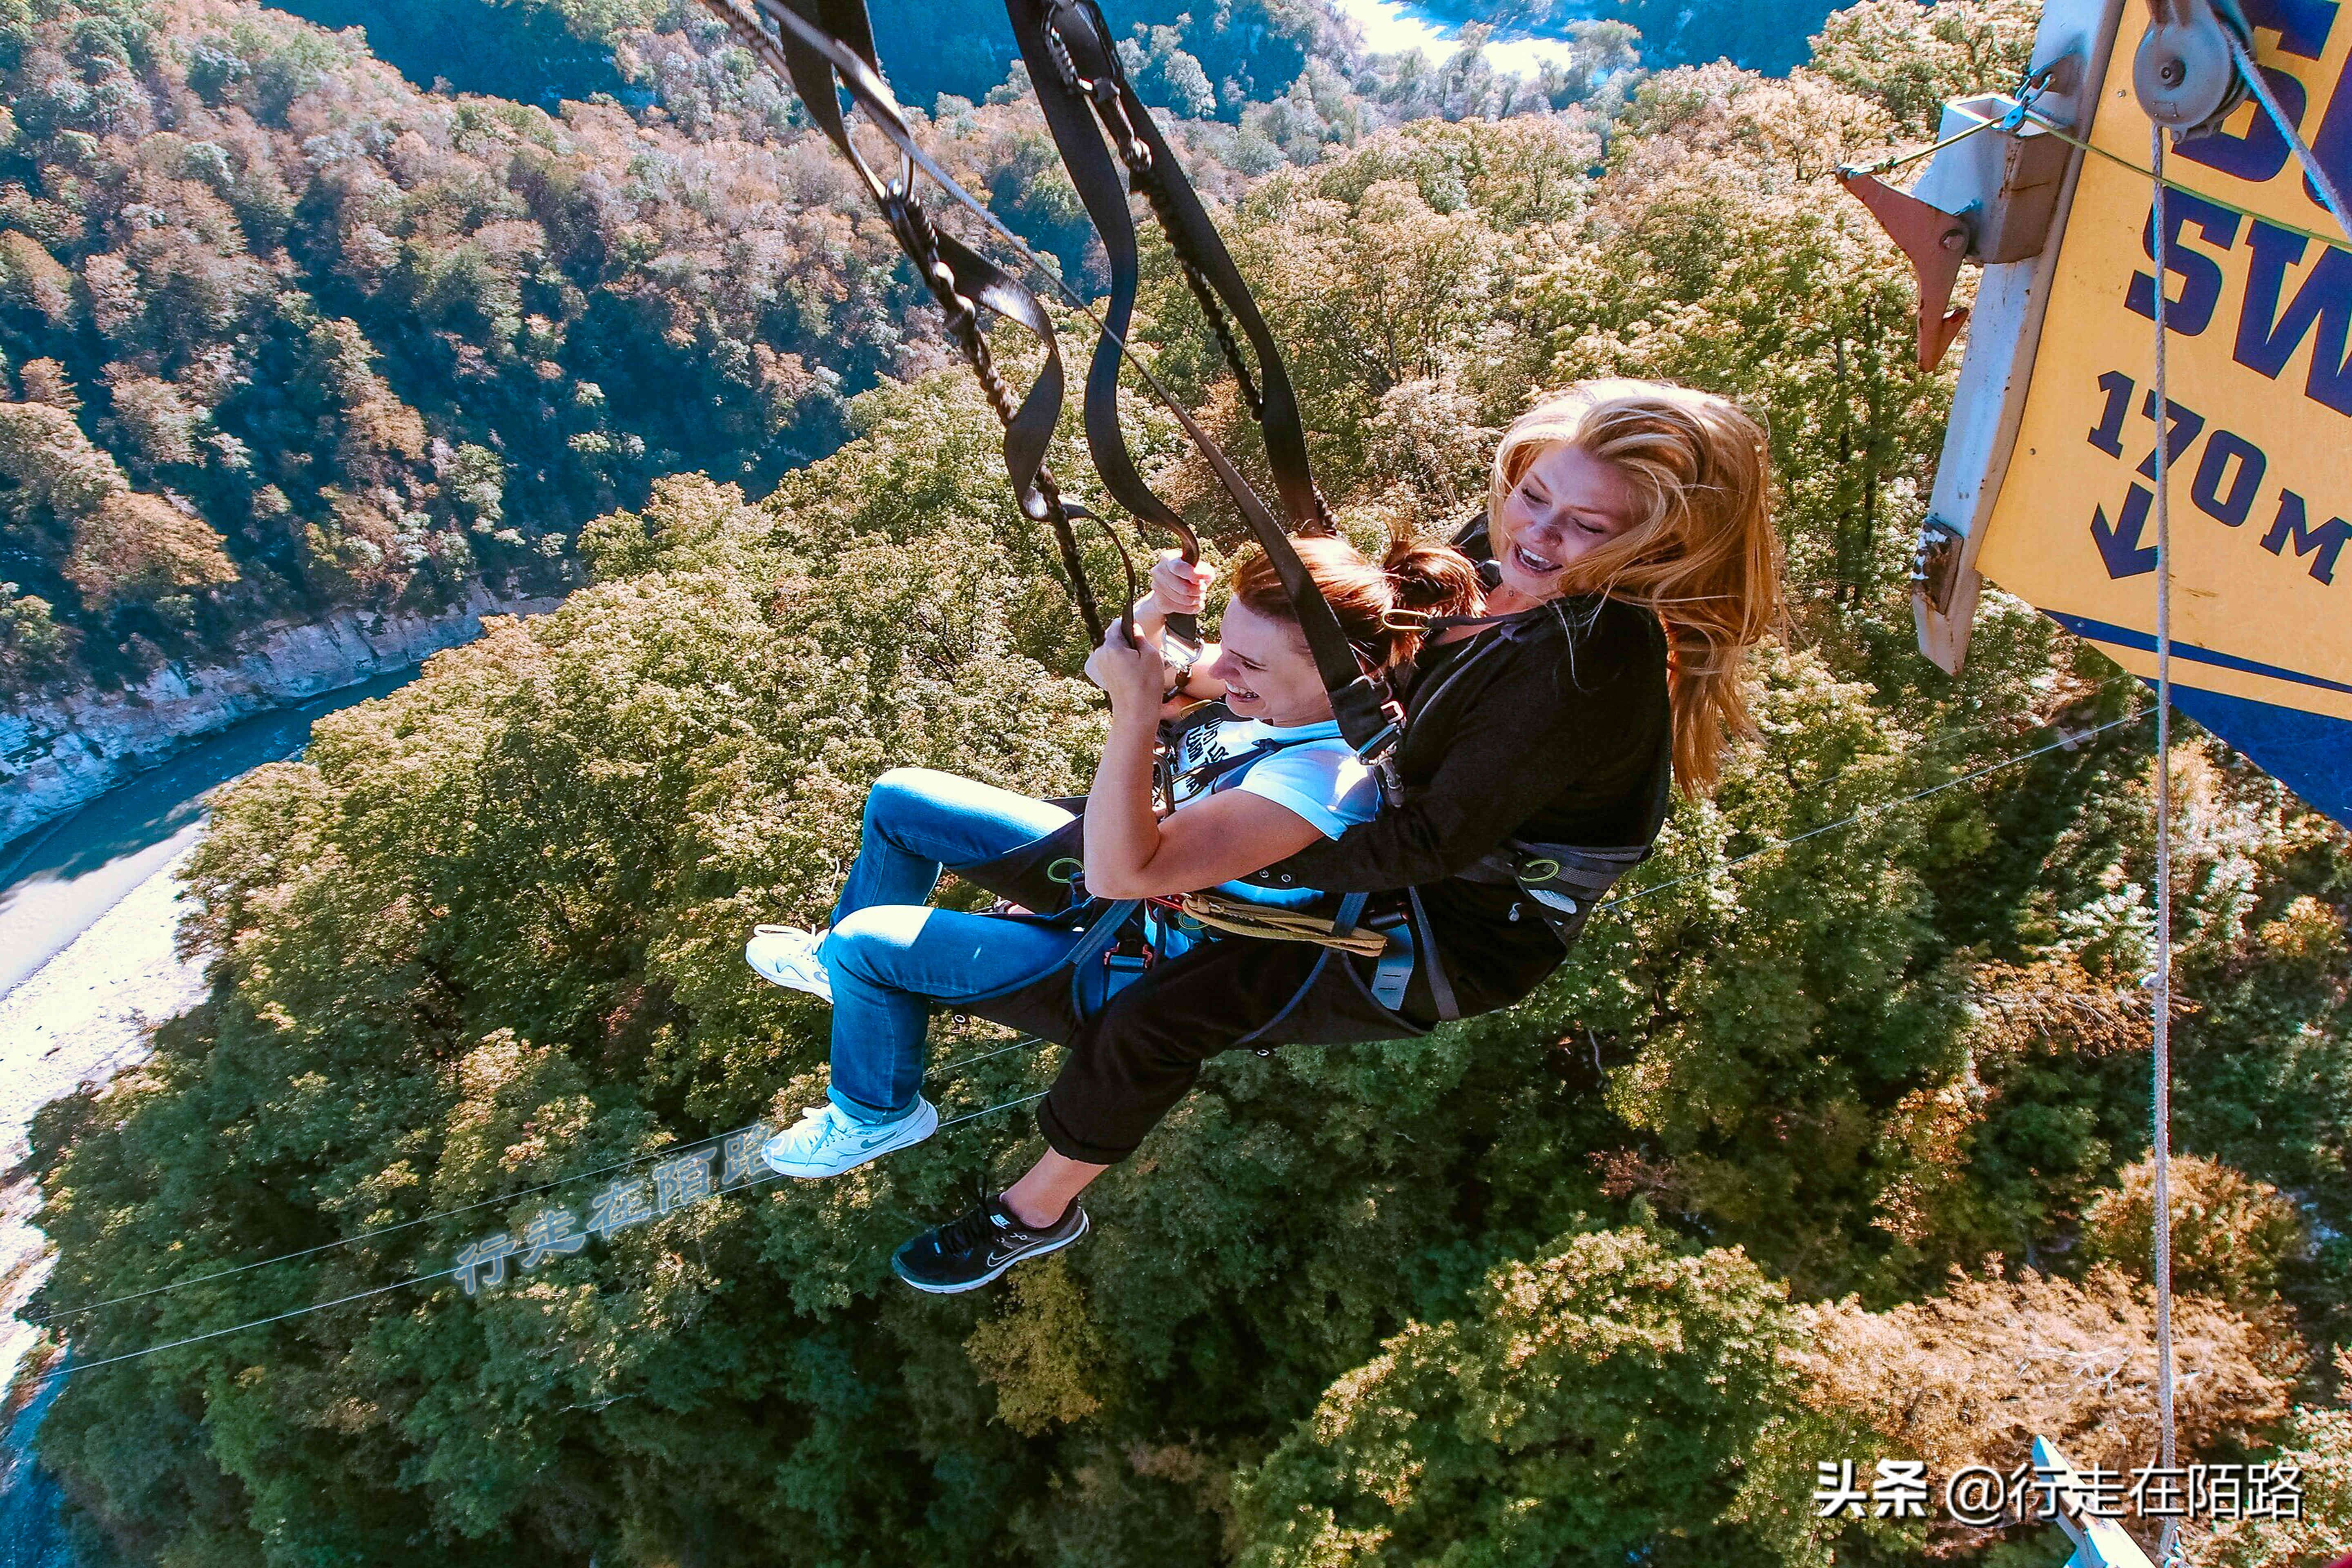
pixel 49 1377
pixel 2065 742
pixel 2330 196
pixel 1892 161
pixel 384 1230
pixel 990 1110
pixel 2160 1106
pixel 964 1062
pixel 944 1072
pixel 2067 136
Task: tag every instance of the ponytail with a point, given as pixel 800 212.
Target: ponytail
pixel 1431 580
pixel 1415 576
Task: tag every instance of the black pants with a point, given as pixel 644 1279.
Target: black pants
pixel 1129 1064
pixel 1139 1055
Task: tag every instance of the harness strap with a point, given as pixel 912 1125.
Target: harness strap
pixel 1392 971
pixel 1102 919
pixel 833 50
pixel 1081 66
pixel 1350 910
pixel 1441 985
pixel 1086 98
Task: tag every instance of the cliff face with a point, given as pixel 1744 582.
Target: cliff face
pixel 57 753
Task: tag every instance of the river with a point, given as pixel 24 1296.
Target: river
pixel 88 912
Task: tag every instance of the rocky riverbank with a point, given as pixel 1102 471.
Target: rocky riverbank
pixel 58 753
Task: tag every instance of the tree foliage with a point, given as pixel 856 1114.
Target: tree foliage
pixel 1701 1200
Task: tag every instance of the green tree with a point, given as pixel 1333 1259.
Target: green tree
pixel 1598 1402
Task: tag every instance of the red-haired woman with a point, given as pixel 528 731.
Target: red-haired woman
pixel 1258 774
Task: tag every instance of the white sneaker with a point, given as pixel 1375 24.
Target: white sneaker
pixel 787 956
pixel 824 1143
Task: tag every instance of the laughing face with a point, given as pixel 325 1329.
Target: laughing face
pixel 1566 502
pixel 1266 670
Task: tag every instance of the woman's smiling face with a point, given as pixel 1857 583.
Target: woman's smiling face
pixel 1566 502
pixel 1266 670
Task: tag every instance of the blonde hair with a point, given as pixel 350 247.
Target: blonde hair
pixel 1701 554
pixel 1415 575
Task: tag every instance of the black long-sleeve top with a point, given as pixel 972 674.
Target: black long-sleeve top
pixel 1552 727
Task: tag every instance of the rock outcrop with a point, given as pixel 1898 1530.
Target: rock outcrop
pixel 57 753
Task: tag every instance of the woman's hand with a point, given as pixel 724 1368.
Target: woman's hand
pixel 1178 587
pixel 1135 678
pixel 1176 590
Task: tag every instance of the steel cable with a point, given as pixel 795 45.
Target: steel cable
pixel 945 1071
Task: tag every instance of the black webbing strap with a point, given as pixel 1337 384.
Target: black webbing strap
pixel 834 51
pixel 1082 64
pixel 1087 101
pixel 1091 173
pixel 830 49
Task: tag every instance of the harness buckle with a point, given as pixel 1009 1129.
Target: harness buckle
pixel 1130 954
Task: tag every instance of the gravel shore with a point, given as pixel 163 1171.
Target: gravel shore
pixel 84 1016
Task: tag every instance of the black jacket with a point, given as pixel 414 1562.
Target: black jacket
pixel 1553 727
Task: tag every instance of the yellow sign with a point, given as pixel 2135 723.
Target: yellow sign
pixel 2261 392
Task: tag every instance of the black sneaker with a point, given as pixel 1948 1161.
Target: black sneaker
pixel 966 1253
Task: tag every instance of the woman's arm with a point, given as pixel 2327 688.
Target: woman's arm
pixel 1525 738
pixel 1129 852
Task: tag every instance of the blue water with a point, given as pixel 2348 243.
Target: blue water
pixel 30 1534
pixel 57 880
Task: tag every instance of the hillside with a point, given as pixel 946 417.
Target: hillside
pixel 1787 1144
pixel 282 334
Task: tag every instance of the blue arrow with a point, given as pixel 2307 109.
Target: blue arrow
pixel 2118 543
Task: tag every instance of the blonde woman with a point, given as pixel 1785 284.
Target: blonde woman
pixel 1630 566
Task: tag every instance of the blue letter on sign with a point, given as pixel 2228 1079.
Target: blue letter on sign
pixel 2200 275
pixel 2323 544
pixel 2321 311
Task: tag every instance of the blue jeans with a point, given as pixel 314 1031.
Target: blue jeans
pixel 890 957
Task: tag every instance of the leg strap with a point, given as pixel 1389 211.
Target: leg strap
pixel 1441 989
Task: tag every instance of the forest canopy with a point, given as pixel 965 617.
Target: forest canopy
pixel 282 334
pixel 1792 1137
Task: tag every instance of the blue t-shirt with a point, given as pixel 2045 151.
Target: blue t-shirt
pixel 1314 774
pixel 1308 769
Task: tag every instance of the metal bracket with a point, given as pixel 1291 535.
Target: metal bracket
pixel 1936 565
pixel 1936 241
pixel 1987 198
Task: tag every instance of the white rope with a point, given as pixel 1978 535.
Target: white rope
pixel 2160 1109
pixel 2330 195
